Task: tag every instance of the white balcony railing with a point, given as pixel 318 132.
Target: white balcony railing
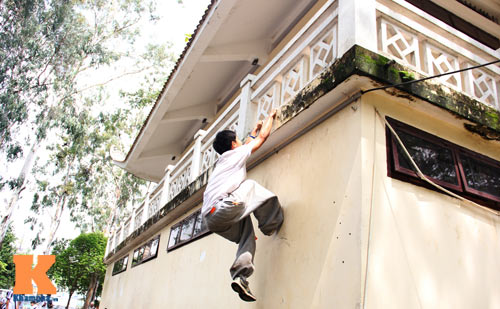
pixel 302 59
pixel 422 46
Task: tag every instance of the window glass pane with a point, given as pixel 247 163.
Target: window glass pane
pixel 187 228
pixel 147 251
pixel 433 160
pixel 118 266
pixel 481 176
pixel 154 246
pixel 135 260
pixel 125 262
pixel 141 254
pixel 199 226
pixel 173 236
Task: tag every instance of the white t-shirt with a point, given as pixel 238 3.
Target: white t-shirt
pixel 229 172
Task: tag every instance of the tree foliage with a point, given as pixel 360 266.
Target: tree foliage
pixel 47 47
pixel 80 264
pixel 7 269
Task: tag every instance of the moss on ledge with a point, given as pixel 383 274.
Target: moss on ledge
pixel 360 61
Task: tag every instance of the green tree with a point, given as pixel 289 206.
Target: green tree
pixel 80 267
pixel 7 269
pixel 46 47
pixel 94 190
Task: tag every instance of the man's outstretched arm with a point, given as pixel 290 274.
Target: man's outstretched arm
pixel 254 132
pixel 264 132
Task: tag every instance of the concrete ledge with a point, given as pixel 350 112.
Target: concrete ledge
pixel 359 61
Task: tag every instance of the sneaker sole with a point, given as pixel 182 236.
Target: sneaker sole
pixel 242 293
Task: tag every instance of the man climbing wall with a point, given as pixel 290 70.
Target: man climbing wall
pixel 230 198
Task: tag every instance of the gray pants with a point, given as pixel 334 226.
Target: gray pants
pixel 231 219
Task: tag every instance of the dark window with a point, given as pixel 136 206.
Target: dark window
pixel 481 176
pixel 120 265
pixel 146 252
pixel 189 229
pixel 456 22
pixel 460 170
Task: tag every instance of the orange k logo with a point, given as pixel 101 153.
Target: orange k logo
pixel 24 274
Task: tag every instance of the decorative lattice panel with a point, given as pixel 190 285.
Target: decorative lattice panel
pixel 399 43
pixel 323 52
pixel 126 230
pixel 293 81
pixel 208 158
pixel 117 237
pixel 482 86
pixel 439 62
pixel 268 101
pixel 138 219
pixel 233 126
pixel 180 182
pixel 154 204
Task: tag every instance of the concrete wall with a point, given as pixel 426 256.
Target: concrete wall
pixel 315 261
pixel 352 237
pixel 426 249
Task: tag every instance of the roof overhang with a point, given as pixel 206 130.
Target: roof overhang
pixel 233 38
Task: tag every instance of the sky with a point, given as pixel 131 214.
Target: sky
pixel 176 20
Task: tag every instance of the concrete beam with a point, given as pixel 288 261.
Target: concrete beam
pixel 161 152
pixel 244 51
pixel 199 111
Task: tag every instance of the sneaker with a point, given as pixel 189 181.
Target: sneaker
pixel 240 286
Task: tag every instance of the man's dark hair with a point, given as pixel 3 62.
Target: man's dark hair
pixel 223 140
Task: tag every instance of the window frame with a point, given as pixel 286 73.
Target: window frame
pixel 140 252
pixel 124 266
pixel 429 138
pixel 484 160
pixel 394 170
pixel 178 243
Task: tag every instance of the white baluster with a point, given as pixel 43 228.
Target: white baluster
pixel 108 245
pixel 196 158
pixel 166 185
pixel 132 220
pixel 146 213
pixel 246 114
pixel 122 232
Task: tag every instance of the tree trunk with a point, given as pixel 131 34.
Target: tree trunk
pixel 109 224
pixel 90 291
pixel 56 219
pixel 69 298
pixel 4 225
pixel 54 223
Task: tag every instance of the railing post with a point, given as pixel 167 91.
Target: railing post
pixel 357 21
pixel 109 244
pixel 196 158
pixel 145 211
pixel 166 185
pixel 132 220
pixel 246 114
pixel 122 232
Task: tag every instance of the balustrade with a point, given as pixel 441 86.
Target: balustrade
pixel 419 46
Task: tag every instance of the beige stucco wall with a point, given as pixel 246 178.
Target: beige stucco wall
pixel 427 249
pixel 352 236
pixel 313 262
